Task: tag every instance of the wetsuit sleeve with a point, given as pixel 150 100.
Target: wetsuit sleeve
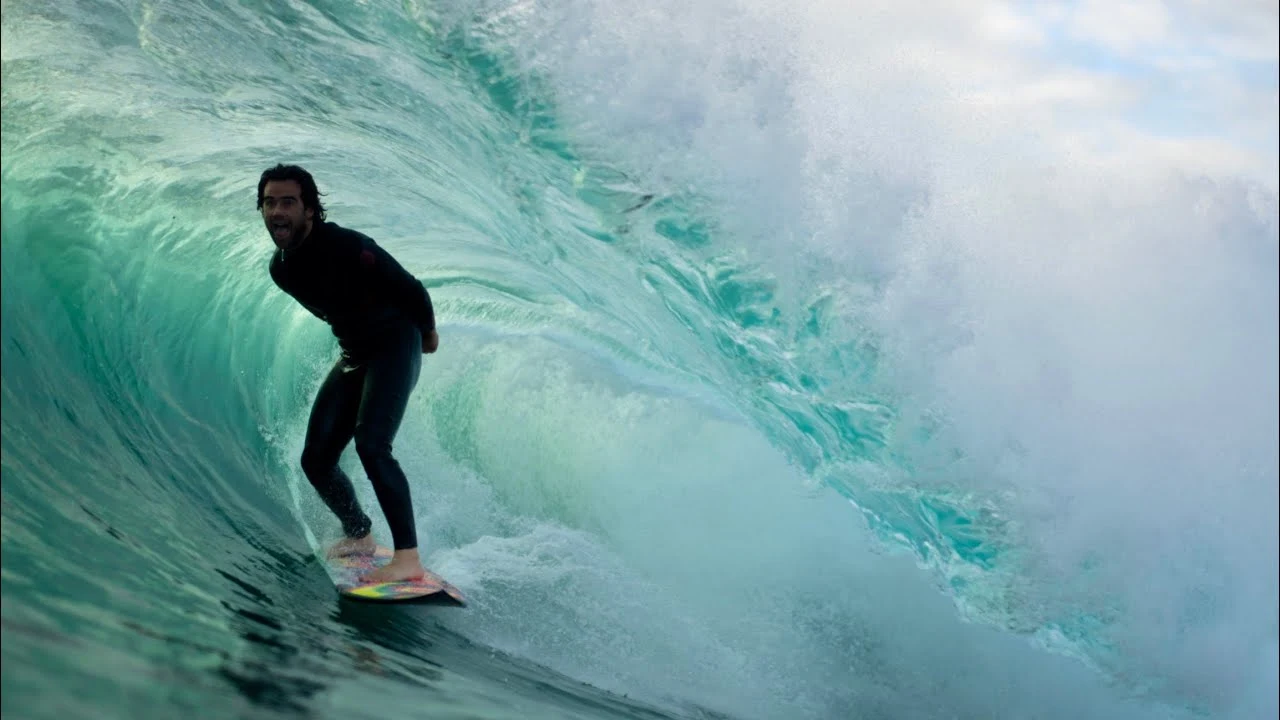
pixel 407 291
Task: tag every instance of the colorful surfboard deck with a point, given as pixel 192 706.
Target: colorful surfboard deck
pixel 346 572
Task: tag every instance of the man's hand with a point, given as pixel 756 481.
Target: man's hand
pixel 430 342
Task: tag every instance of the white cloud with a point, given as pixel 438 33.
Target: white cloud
pixel 1238 29
pixel 999 22
pixel 1120 25
pixel 1062 88
pixel 1242 30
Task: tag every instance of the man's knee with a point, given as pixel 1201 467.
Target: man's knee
pixel 316 462
pixel 371 445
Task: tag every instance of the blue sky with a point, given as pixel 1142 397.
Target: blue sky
pixel 1182 69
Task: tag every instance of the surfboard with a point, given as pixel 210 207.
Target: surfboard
pixel 346 572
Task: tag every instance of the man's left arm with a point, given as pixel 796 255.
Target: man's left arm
pixel 407 291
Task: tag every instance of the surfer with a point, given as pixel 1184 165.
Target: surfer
pixel 383 320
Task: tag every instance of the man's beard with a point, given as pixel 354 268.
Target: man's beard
pixel 293 237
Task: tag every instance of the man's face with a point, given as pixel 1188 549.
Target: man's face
pixel 287 220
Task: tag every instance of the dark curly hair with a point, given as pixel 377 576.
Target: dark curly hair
pixel 310 195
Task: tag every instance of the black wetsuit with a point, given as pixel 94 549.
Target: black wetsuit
pixel 379 314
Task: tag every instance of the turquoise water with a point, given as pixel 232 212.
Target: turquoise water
pixel 753 400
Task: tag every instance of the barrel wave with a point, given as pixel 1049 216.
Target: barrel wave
pixel 763 390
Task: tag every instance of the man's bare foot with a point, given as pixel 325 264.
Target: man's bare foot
pixel 404 565
pixel 347 547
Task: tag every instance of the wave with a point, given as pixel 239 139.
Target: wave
pixel 754 397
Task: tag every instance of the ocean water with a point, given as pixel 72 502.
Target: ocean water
pixel 770 385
